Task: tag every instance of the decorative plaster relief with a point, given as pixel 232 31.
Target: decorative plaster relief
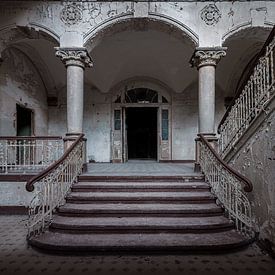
pixel 210 14
pixel 45 11
pixel 71 14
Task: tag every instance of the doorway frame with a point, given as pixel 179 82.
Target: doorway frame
pixel 123 155
pixel 32 118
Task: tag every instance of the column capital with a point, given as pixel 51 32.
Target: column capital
pixel 207 56
pixel 76 56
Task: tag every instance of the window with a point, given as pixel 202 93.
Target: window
pixel 164 125
pixel 141 95
pixel 117 119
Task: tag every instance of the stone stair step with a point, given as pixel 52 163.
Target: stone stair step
pixel 140 224
pixel 138 178
pixel 132 243
pixel 133 197
pixel 139 186
pixel 117 209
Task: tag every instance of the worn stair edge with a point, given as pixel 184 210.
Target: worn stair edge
pixel 90 187
pixel 126 224
pixel 137 178
pixel 55 242
pixel 159 210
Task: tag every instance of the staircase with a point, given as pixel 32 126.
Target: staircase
pixel 140 213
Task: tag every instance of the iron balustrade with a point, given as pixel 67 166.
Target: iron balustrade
pixel 51 186
pixel 28 154
pixel 227 185
pixel 254 96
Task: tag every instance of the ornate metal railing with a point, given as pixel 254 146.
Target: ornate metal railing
pixel 251 101
pixel 228 186
pixel 52 185
pixel 28 154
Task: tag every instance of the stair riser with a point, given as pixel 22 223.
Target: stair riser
pixel 141 214
pixel 140 230
pixel 122 189
pixel 134 249
pixel 147 200
pixel 139 179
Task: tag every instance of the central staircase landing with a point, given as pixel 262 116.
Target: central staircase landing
pixel 134 212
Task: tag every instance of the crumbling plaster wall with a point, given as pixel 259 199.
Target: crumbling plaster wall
pixel 256 160
pixel 74 23
pixel 20 83
pixel 96 122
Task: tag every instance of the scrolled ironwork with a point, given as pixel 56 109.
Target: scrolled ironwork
pixel 51 186
pixel 228 186
pixel 255 94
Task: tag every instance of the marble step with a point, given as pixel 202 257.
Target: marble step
pixel 139 186
pixel 159 210
pixel 141 178
pixel 141 197
pixel 140 224
pixel 131 243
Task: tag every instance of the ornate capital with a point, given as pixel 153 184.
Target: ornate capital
pixel 207 56
pixel 74 56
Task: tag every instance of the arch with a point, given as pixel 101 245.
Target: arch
pixel 39 64
pixel 11 34
pixel 141 82
pixel 127 22
pixel 239 29
pixel 251 38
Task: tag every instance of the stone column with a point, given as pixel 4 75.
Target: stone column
pixel 75 60
pixel 206 59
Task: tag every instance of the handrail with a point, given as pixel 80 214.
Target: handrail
pixel 227 186
pixel 30 137
pixel 251 69
pixel 248 187
pixel 32 181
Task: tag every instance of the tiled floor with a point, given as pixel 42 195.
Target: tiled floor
pixel 143 168
pixel 17 258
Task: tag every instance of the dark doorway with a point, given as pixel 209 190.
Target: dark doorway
pixel 142 132
pixel 24 121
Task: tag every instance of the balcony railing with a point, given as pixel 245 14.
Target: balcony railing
pixel 28 154
pixel 51 186
pixel 251 101
pixel 230 187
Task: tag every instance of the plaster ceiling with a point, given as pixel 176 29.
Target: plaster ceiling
pixel 150 53
pixel 147 53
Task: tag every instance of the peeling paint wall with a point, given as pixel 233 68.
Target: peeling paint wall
pixel 20 83
pixel 256 160
pixel 98 118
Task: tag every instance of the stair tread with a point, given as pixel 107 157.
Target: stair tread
pixel 140 207
pixel 140 221
pixel 140 194
pixel 140 184
pixel 148 241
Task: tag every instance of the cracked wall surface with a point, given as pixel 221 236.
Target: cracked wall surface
pixel 256 160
